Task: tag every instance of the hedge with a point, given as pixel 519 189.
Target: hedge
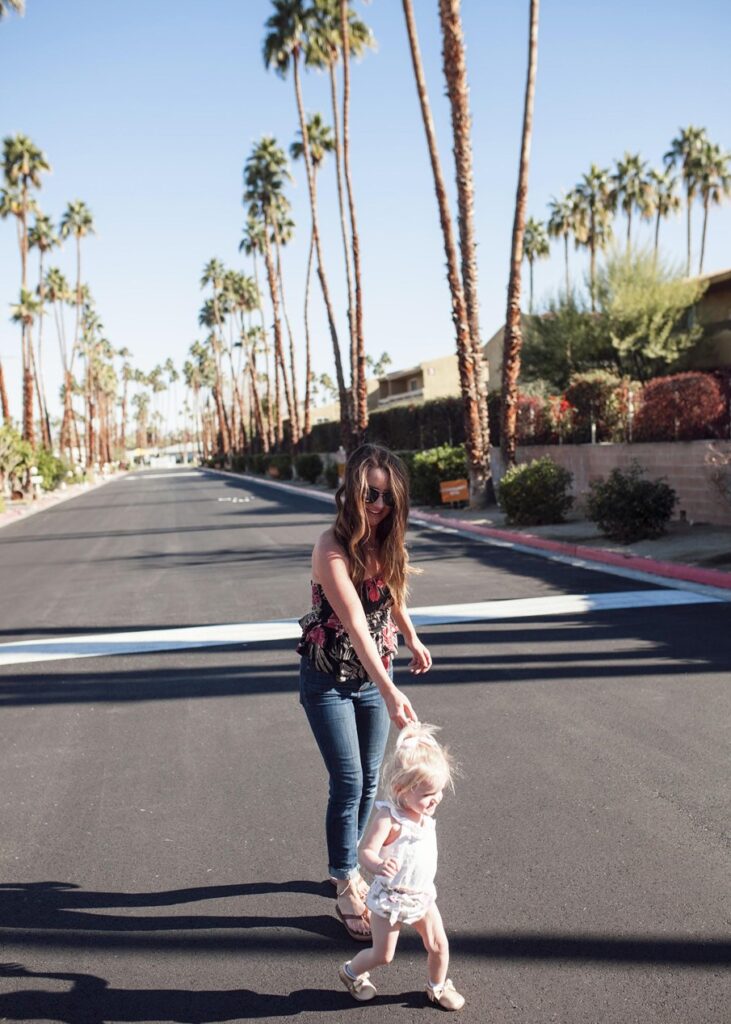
pixel 682 407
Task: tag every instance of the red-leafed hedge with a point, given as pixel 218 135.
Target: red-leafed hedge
pixel 683 407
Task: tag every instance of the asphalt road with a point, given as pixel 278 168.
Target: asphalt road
pixel 161 838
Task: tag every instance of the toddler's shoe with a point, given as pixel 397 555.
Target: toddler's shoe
pixel 445 995
pixel 360 988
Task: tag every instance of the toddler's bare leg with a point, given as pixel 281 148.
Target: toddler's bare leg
pixel 434 937
pixel 385 936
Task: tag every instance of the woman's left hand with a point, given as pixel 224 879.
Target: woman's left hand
pixel 421 660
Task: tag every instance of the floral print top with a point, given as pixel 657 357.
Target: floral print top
pixel 326 643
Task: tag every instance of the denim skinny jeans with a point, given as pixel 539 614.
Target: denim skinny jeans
pixel 350 723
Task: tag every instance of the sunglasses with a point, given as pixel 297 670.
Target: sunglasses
pixel 372 497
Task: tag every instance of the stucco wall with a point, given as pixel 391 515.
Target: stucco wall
pixel 687 465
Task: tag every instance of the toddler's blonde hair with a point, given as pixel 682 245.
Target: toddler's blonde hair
pixel 418 758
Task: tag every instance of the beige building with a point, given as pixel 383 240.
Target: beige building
pixel 434 378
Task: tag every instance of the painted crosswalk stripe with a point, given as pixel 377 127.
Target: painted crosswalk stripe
pixel 154 641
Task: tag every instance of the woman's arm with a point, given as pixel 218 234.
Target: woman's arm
pixel 421 660
pixel 331 569
pixel 374 838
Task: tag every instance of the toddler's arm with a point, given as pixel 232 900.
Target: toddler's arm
pixel 376 835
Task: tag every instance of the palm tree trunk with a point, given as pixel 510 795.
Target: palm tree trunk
pixel 345 418
pixel 42 415
pixel 530 299
pixel 592 262
pixel 687 267
pixel 513 332
pixel 476 455
pixel 279 364
pixel 629 230
pixel 566 262
pixel 360 396
pixel 4 407
pixel 703 235
pixel 308 353
pixel 45 419
pixel 270 427
pixel 455 73
pixel 344 233
pixel 294 415
pixel 657 235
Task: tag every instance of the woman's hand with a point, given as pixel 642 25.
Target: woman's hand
pixel 421 660
pixel 389 867
pixel 399 708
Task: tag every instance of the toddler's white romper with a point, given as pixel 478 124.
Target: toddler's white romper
pixel 408 895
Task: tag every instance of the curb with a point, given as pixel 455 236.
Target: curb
pixel 637 563
pixel 539 545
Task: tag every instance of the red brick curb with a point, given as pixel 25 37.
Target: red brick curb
pixel 640 563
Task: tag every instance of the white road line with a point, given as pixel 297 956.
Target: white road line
pixel 98 645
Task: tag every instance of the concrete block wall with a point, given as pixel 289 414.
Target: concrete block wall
pixel 688 466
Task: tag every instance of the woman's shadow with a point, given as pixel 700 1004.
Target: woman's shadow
pixel 91 1000
pixel 62 906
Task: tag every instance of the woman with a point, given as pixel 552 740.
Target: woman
pixel 359 576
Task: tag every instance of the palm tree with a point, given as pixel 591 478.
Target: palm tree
pixel 283 47
pixel 24 313
pixel 11 5
pixel 685 153
pixel 252 244
pixel 513 340
pixel 42 237
pixel 596 202
pixel 282 233
pixel 535 247
pixel 264 175
pixel 562 222
pixel 454 65
pixel 23 164
pixel 632 189
pixel 322 142
pixel 476 454
pixel 714 185
pixel 77 221
pixel 663 199
pixel 325 44
pixel 58 293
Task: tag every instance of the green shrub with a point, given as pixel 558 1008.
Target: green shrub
pixel 332 478
pixel 626 507
pixel 430 467
pixel 309 466
pixel 536 492
pixel 52 469
pixel 279 466
pixel 256 464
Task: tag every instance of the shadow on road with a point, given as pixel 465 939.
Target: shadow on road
pixel 91 1000
pixel 53 915
pixel 591 649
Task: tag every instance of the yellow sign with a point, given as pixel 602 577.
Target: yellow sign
pixel 454 490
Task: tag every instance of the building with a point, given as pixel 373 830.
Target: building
pixel 434 378
pixel 714 313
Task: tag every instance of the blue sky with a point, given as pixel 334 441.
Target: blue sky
pixel 148 112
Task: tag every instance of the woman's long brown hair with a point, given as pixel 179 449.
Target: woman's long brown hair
pixel 351 524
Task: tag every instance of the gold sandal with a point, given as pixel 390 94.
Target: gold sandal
pixel 351 894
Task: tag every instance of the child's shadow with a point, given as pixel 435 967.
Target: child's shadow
pixel 91 1001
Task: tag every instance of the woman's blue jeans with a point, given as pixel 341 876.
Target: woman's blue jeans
pixel 350 724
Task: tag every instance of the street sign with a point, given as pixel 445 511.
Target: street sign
pixel 454 490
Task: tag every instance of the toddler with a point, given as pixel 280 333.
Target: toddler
pixel 400 849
